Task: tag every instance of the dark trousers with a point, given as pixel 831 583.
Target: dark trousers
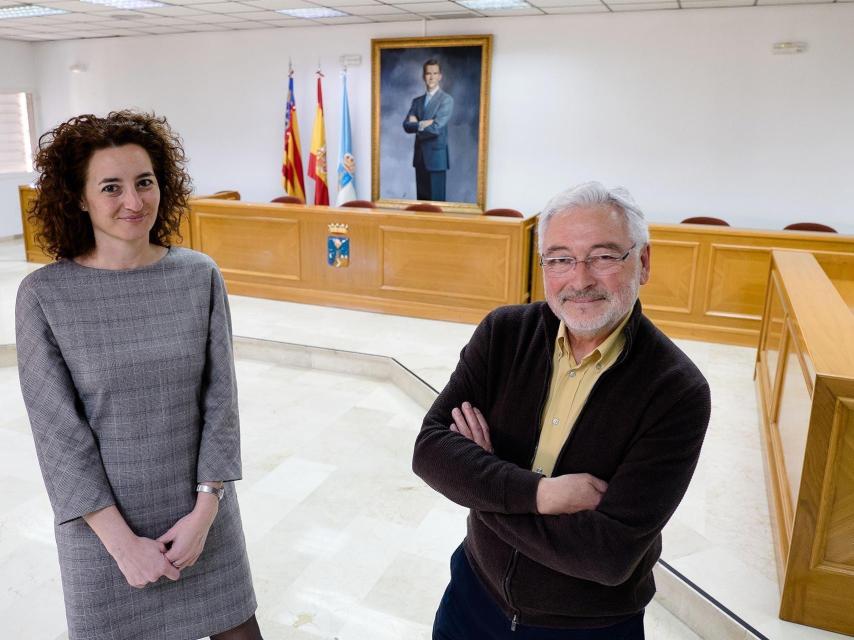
pixel 429 185
pixel 468 612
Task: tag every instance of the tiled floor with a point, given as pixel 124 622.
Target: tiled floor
pixel 345 541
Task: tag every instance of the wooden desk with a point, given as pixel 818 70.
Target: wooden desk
pixel 805 384
pixel 34 253
pixel 439 266
pixel 708 282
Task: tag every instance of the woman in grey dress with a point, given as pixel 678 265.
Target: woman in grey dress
pixel 125 360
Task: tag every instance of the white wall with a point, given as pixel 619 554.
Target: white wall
pixel 17 73
pixel 688 109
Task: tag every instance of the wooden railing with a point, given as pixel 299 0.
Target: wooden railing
pixel 805 384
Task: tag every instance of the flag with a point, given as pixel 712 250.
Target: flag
pixel 292 179
pixel 346 160
pixel 317 157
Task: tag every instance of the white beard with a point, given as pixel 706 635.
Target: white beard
pixel 587 326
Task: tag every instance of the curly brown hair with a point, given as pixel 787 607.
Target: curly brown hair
pixel 65 231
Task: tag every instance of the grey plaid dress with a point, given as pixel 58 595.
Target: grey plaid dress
pixel 128 379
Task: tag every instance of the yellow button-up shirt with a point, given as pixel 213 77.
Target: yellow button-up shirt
pixel 569 389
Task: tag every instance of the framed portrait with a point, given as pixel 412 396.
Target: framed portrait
pixel 430 120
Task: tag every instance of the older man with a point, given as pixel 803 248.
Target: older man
pixel 571 430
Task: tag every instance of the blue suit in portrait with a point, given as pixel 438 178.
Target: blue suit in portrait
pixel 430 157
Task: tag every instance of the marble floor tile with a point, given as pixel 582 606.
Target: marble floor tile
pixel 658 622
pixel 749 595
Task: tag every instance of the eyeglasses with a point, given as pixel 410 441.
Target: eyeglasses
pixel 600 265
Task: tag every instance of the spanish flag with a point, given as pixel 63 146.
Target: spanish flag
pixel 292 178
pixel 317 159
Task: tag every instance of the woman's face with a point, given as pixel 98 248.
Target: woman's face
pixel 121 195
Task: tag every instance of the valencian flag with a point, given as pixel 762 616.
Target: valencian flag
pixel 292 178
pixel 346 161
pixel 317 158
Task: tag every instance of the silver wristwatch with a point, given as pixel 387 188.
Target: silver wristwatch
pixel 203 488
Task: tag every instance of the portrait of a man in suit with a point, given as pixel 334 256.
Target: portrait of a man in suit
pixel 437 88
pixel 428 119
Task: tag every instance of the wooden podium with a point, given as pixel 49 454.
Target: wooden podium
pixel 805 383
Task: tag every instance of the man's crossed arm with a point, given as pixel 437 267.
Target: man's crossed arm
pixel 555 496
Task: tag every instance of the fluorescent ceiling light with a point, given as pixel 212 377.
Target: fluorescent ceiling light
pixel 128 4
pixel 494 5
pixel 319 12
pixel 28 11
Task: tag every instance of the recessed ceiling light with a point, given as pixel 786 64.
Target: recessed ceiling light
pixel 28 11
pixel 494 5
pixel 128 4
pixel 319 12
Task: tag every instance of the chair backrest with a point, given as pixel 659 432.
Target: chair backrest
pixel 506 213
pixel 424 207
pixel 364 204
pixel 226 195
pixel 809 226
pixel 705 220
pixel 288 200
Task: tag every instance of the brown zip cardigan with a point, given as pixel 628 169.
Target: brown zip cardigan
pixel 640 430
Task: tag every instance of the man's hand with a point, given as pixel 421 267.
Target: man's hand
pixel 189 534
pixel 426 123
pixel 469 421
pixel 569 493
pixel 412 119
pixel 142 561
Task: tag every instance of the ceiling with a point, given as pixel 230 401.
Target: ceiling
pixel 85 20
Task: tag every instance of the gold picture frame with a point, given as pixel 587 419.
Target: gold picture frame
pixel 398 83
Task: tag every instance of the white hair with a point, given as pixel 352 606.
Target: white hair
pixel 591 194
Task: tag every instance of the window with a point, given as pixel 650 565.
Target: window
pixel 16 133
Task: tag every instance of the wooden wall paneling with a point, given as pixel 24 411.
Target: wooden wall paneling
pixel 820 568
pixel 736 280
pixel 456 264
pixel 834 540
pixel 538 291
pixel 790 419
pixel 529 254
pixel 674 264
pixel 33 252
pixel 732 276
pixel 256 248
pixel 776 480
pixel 185 233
